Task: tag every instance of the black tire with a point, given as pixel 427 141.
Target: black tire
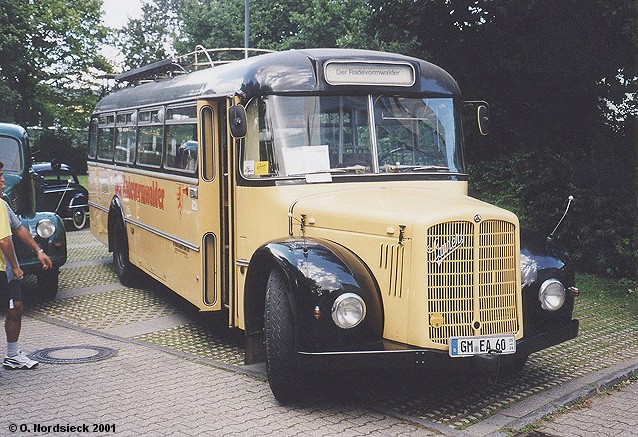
pixel 47 284
pixel 78 218
pixel 284 375
pixel 123 267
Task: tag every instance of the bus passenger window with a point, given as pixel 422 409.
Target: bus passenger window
pixel 93 138
pixel 150 138
pixel 149 149
pixel 181 147
pixel 105 136
pixel 181 138
pixel 125 138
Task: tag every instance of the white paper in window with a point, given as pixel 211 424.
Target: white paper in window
pixel 306 159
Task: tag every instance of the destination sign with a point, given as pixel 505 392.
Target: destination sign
pixel 364 73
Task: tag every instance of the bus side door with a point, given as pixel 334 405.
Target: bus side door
pixel 210 200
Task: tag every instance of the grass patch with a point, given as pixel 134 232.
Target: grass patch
pixel 84 180
pixel 616 296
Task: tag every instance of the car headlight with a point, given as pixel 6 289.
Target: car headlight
pixel 45 228
pixel 552 295
pixel 348 310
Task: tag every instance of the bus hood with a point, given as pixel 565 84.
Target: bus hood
pixel 382 211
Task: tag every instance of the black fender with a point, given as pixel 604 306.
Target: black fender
pixel 543 259
pixel 116 212
pixel 317 272
pixel 78 200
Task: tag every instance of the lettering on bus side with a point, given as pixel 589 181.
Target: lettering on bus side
pixel 151 195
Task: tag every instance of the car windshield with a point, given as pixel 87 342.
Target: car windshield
pixel 298 135
pixel 10 155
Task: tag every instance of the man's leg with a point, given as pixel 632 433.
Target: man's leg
pixel 15 358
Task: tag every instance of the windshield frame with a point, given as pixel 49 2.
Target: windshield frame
pixel 411 171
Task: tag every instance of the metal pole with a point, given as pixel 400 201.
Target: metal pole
pixel 246 26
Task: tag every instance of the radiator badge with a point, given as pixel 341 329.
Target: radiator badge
pixel 436 320
pixel 440 251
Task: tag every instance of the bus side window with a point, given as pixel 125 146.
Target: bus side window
pixel 125 138
pixel 105 137
pixel 93 138
pixel 181 138
pixel 150 136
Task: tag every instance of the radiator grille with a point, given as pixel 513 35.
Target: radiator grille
pixel 471 279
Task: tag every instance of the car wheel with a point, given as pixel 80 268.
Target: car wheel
pixel 284 376
pixel 79 218
pixel 123 266
pixel 47 284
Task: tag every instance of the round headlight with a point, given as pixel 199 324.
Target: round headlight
pixel 552 295
pixel 348 310
pixel 45 228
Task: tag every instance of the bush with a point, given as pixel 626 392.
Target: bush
pixel 600 230
pixel 68 146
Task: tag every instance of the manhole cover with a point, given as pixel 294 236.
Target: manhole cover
pixel 72 354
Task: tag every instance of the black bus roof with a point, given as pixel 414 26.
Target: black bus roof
pixel 293 71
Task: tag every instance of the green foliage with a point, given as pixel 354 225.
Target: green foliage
pixel 559 76
pixel 47 49
pixel 66 145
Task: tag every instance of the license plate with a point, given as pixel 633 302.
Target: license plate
pixel 481 345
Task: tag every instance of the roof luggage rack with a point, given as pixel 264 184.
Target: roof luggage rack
pixel 196 60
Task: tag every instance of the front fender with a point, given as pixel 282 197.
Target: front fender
pixel 317 272
pixel 54 246
pixel 542 260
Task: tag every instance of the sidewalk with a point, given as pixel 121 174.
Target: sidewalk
pixel 145 390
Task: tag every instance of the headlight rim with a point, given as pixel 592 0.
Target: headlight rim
pixel 45 228
pixel 543 294
pixel 337 305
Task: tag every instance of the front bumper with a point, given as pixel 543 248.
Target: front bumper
pixel 386 354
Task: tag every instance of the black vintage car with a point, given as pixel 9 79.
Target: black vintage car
pixel 61 193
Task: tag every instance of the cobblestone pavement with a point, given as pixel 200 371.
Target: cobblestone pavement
pixel 613 413
pixel 179 371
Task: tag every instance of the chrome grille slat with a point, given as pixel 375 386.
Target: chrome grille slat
pixel 472 281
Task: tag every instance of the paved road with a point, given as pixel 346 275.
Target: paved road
pixel 176 371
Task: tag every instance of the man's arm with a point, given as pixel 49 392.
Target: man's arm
pixel 6 246
pixel 24 235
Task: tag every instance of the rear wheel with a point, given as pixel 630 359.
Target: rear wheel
pixel 78 218
pixel 123 266
pixel 47 284
pixel 284 375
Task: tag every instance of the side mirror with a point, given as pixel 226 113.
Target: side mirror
pixel 237 121
pixel 483 119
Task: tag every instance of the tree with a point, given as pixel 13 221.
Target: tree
pixel 152 37
pixel 48 48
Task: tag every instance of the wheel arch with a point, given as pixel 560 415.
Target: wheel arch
pixel 300 261
pixel 116 212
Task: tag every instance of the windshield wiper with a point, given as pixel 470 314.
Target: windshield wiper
pixel 396 168
pixel 355 168
pixel 431 167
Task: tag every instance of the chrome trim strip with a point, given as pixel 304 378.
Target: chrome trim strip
pixel 163 234
pixel 155 173
pixel 152 230
pixel 98 206
pixel 242 262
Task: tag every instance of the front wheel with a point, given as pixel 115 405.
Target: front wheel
pixel 284 375
pixel 47 284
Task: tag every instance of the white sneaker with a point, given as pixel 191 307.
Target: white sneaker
pixel 20 361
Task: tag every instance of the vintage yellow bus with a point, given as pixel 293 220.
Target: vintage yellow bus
pixel 319 198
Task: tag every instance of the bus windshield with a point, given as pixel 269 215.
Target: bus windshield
pixel 298 135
